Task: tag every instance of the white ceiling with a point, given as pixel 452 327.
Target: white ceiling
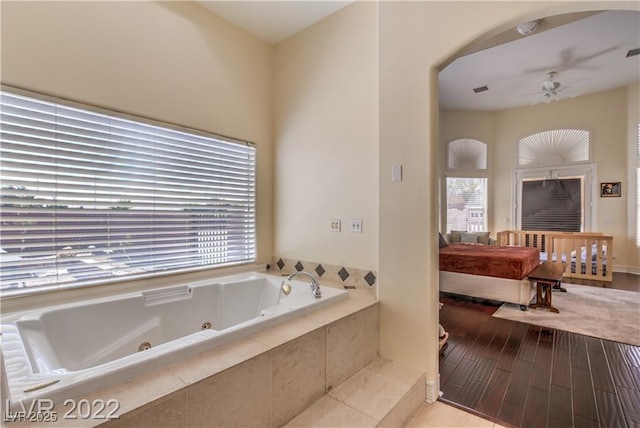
pixel 274 21
pixel 588 54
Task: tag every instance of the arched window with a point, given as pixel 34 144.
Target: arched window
pixel 466 154
pixel 555 147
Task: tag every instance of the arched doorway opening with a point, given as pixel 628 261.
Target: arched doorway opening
pixel 474 123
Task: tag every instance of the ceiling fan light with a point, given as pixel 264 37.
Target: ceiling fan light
pixel 550 96
pixel 527 28
pixel 550 85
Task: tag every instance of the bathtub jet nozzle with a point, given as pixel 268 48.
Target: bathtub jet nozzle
pixel 144 346
pixel 286 289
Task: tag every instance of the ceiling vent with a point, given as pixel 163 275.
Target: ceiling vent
pixel 480 89
pixel 633 52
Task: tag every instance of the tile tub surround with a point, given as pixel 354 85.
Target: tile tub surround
pixel 382 394
pixel 262 380
pixel 71 350
pixel 343 275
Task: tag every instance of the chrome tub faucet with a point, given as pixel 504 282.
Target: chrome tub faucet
pixel 315 285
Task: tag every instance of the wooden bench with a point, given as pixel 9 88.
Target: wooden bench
pixel 547 276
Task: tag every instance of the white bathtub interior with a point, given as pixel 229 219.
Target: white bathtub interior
pixel 74 348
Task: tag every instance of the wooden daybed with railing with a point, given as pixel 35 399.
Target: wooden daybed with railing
pixel 588 255
pixel 497 273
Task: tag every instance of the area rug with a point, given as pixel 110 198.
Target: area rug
pixel 592 311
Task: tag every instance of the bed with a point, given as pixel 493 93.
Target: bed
pixel 488 271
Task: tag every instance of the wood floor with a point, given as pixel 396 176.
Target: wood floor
pixel 522 375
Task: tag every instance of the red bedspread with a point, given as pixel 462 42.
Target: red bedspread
pixel 489 260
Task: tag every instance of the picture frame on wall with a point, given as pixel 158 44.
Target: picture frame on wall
pixel 610 189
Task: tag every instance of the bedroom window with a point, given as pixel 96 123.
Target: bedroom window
pixel 91 196
pixel 466 204
pixel 467 154
pixel 555 181
pixel 555 147
pixel 556 199
pixel 466 185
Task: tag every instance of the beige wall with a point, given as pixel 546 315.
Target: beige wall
pixel 603 114
pixel 408 271
pixel 326 139
pixel 633 119
pixel 170 61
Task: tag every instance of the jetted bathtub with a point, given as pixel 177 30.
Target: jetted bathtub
pixel 63 351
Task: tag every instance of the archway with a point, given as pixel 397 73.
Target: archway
pixel 443 136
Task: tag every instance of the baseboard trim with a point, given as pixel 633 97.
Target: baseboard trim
pixel 432 390
pixel 634 270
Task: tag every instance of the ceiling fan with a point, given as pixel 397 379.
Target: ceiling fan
pixel 551 89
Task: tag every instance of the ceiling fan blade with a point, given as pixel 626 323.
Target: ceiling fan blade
pixel 574 82
pixel 529 94
pixel 568 60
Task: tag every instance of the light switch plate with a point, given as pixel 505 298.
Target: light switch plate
pixel 396 173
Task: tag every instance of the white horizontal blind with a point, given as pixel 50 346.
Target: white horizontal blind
pixel 88 197
pixel 467 204
pixel 552 204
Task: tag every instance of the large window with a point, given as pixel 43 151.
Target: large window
pixel 466 204
pixel 555 186
pixel 90 196
pixel 555 199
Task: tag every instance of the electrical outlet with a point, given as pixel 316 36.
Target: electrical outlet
pixel 335 225
pixel 356 225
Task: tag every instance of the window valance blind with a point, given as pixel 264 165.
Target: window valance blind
pixel 90 196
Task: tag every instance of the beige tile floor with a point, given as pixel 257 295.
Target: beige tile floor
pixel 442 415
pixel 330 413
